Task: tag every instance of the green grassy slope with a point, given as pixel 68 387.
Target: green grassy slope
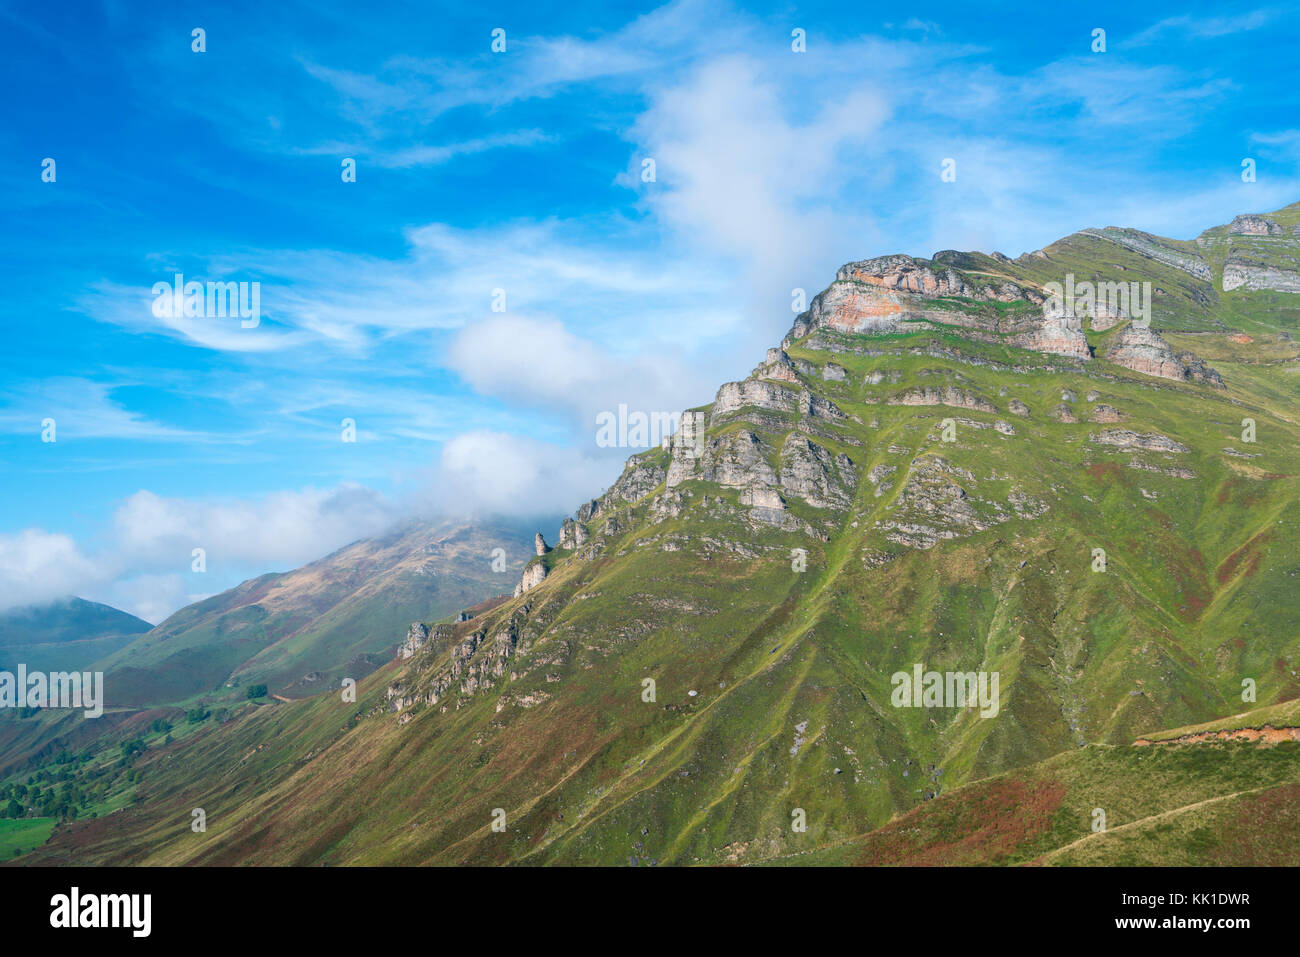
pixel 1217 803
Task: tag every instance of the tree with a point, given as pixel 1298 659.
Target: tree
pixel 256 691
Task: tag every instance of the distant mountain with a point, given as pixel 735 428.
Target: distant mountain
pixel 948 467
pixel 302 631
pixel 69 633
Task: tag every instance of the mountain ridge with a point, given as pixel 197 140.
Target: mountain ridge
pixel 921 475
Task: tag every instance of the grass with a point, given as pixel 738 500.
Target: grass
pixel 21 836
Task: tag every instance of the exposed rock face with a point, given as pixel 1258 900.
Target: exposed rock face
pixel 734 396
pixel 1063 413
pixel 1143 350
pixel 741 459
pixel 1103 317
pixel 1176 471
pixel 935 505
pixel 474 664
pixel 1198 371
pixel 1068 395
pixel 905 274
pixel 1249 224
pixel 539 544
pixel 687 446
pixel 533 576
pixel 572 534
pixel 853 307
pixel 416 636
pixel 1018 407
pixel 1059 334
pixel 1125 439
pixel 637 481
pixel 814 406
pixel 1104 413
pixel 812 473
pixel 1242 274
pixel 766 504
pixel 1153 247
pixel 948 395
pixel 876 295
pixel 734 460
pixel 777 366
pixel 832 372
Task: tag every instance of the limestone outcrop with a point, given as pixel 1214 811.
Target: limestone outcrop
pixel 946 395
pixel 1243 274
pixel 1249 224
pixel 416 637
pixel 1143 350
pixel 572 534
pixel 1126 439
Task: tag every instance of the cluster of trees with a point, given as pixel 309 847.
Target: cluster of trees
pixel 66 788
pixel 64 799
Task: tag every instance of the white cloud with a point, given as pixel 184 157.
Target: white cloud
pixel 746 171
pixel 283 529
pixel 131 308
pixel 422 155
pixel 352 302
pixel 1201 27
pixel 540 363
pixel 81 409
pixel 38 566
pixel 143 562
pixel 497 473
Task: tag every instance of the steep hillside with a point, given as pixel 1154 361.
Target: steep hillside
pixel 303 630
pixel 70 633
pixel 1194 800
pixel 944 467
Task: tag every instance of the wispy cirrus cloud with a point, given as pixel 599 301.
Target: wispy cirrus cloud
pixel 81 409
pixel 1201 27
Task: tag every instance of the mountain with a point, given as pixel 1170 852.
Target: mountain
pixel 966 466
pixel 305 630
pixel 69 633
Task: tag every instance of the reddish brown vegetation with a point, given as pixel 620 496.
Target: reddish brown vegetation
pixel 972 829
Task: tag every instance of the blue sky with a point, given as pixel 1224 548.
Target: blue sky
pixel 518 171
